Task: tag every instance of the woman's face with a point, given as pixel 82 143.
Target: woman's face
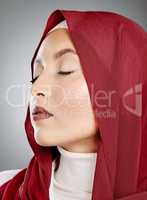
pixel 66 95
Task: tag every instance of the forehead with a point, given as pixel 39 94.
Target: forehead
pixel 56 44
pixel 56 40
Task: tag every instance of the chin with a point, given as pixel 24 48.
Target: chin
pixel 42 143
pixel 42 140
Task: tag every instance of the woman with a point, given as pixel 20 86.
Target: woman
pixel 87 112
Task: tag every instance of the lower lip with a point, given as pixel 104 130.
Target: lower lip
pixel 40 116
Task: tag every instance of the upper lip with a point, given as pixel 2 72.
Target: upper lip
pixel 39 109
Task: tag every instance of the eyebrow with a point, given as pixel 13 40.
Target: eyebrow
pixel 58 54
pixel 63 52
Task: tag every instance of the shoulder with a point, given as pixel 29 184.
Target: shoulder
pixel 7 174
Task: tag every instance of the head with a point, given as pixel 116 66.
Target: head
pixel 60 88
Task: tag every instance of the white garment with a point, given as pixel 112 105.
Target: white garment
pixel 72 181
pixel 7 175
pixel 74 178
pixel 62 24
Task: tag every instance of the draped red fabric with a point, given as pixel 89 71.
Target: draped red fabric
pixel 113 55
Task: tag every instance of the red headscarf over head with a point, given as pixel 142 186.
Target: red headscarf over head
pixel 113 54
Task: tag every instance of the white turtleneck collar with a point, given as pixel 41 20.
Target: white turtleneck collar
pixel 75 175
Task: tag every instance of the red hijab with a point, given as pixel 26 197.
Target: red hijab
pixel 113 55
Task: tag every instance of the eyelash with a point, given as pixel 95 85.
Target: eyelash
pixel 34 79
pixel 61 73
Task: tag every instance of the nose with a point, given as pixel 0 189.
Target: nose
pixel 40 91
pixel 39 96
pixel 37 92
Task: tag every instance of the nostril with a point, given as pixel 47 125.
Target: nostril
pixel 40 93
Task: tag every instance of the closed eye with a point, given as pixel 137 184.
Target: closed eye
pixel 60 72
pixel 65 73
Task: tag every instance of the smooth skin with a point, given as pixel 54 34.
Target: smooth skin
pixel 66 96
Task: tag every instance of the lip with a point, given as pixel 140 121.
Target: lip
pixel 40 113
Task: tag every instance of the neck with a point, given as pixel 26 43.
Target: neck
pixel 87 145
pixel 73 168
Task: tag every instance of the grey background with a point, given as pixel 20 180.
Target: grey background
pixel 21 25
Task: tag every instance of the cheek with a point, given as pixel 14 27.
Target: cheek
pixel 76 105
